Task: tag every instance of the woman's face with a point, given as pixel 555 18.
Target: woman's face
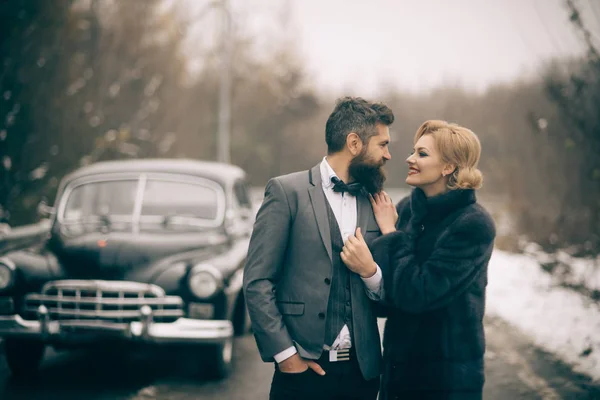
pixel 425 165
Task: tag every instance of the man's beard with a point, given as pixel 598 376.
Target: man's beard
pixel 367 172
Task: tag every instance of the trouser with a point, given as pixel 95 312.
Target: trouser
pixel 434 395
pixel 342 381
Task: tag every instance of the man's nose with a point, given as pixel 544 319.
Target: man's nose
pixel 387 155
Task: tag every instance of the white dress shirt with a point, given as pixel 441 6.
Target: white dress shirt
pixel 344 208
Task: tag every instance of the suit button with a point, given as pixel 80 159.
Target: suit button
pixel 327 281
pixel 348 303
pixel 322 315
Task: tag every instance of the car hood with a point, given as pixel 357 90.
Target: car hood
pixel 118 256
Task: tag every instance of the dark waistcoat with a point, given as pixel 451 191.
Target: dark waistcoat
pixel 339 307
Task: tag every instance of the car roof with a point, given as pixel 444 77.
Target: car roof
pixel 220 172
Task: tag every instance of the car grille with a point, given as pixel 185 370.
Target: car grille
pixel 115 301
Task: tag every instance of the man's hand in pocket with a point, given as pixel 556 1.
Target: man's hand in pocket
pixel 296 364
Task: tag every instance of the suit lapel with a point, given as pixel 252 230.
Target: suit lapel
pixel 317 198
pixel 364 211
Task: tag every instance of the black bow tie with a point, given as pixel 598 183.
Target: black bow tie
pixel 340 187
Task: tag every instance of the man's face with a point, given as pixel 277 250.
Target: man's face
pixel 378 147
pixel 367 166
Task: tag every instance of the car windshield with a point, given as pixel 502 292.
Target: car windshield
pixel 144 204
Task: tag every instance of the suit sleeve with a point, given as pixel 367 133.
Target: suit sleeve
pixel 460 254
pixel 263 269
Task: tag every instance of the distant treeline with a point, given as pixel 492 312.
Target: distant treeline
pixel 83 81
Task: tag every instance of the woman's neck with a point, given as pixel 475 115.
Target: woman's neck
pixel 435 189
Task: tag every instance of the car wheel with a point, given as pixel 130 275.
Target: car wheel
pixel 217 360
pixel 23 356
pixel 241 318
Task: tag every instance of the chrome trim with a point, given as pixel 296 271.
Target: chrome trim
pixel 181 331
pixel 10 265
pixel 114 301
pixel 105 286
pixel 146 320
pixel 137 208
pixel 116 314
pixel 167 301
pixel 44 319
pixel 187 330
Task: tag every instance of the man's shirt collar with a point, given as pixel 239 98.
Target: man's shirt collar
pixel 326 174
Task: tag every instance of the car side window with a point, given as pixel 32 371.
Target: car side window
pixel 242 197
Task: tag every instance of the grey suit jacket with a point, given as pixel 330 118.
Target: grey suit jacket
pixel 289 265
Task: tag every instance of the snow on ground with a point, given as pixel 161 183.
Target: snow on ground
pixel 571 270
pixel 558 320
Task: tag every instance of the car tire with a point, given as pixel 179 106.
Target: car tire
pixel 241 318
pixel 23 357
pixel 217 360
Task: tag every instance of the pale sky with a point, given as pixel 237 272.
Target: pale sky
pixel 363 46
pixel 422 44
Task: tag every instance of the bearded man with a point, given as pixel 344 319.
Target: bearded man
pixel 310 314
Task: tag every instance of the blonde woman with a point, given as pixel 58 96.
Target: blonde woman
pixel 433 255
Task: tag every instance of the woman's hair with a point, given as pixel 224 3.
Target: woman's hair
pixel 458 146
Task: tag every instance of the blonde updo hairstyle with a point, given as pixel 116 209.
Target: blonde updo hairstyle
pixel 458 146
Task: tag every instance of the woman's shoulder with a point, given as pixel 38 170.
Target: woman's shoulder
pixel 476 220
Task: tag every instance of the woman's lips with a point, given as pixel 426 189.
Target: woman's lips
pixel 413 171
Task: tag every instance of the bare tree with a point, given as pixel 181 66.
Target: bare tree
pixel 82 81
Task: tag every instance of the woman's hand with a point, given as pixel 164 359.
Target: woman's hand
pixel 357 256
pixel 385 212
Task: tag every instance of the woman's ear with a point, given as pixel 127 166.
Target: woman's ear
pixel 448 169
pixel 354 143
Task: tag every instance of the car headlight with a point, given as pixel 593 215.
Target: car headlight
pixel 7 273
pixel 205 280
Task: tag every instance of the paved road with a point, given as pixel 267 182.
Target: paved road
pixel 515 370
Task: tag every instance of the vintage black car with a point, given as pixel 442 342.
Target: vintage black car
pixel 138 251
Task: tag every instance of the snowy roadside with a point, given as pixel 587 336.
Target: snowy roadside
pixel 581 273
pixel 558 320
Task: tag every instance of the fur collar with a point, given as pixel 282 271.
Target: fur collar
pixel 440 206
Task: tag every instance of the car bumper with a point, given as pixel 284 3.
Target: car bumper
pixel 181 331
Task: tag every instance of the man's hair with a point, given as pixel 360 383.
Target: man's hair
pixel 355 114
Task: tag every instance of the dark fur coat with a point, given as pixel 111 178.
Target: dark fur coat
pixel 434 277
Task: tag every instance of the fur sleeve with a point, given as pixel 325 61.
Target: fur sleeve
pixel 461 252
